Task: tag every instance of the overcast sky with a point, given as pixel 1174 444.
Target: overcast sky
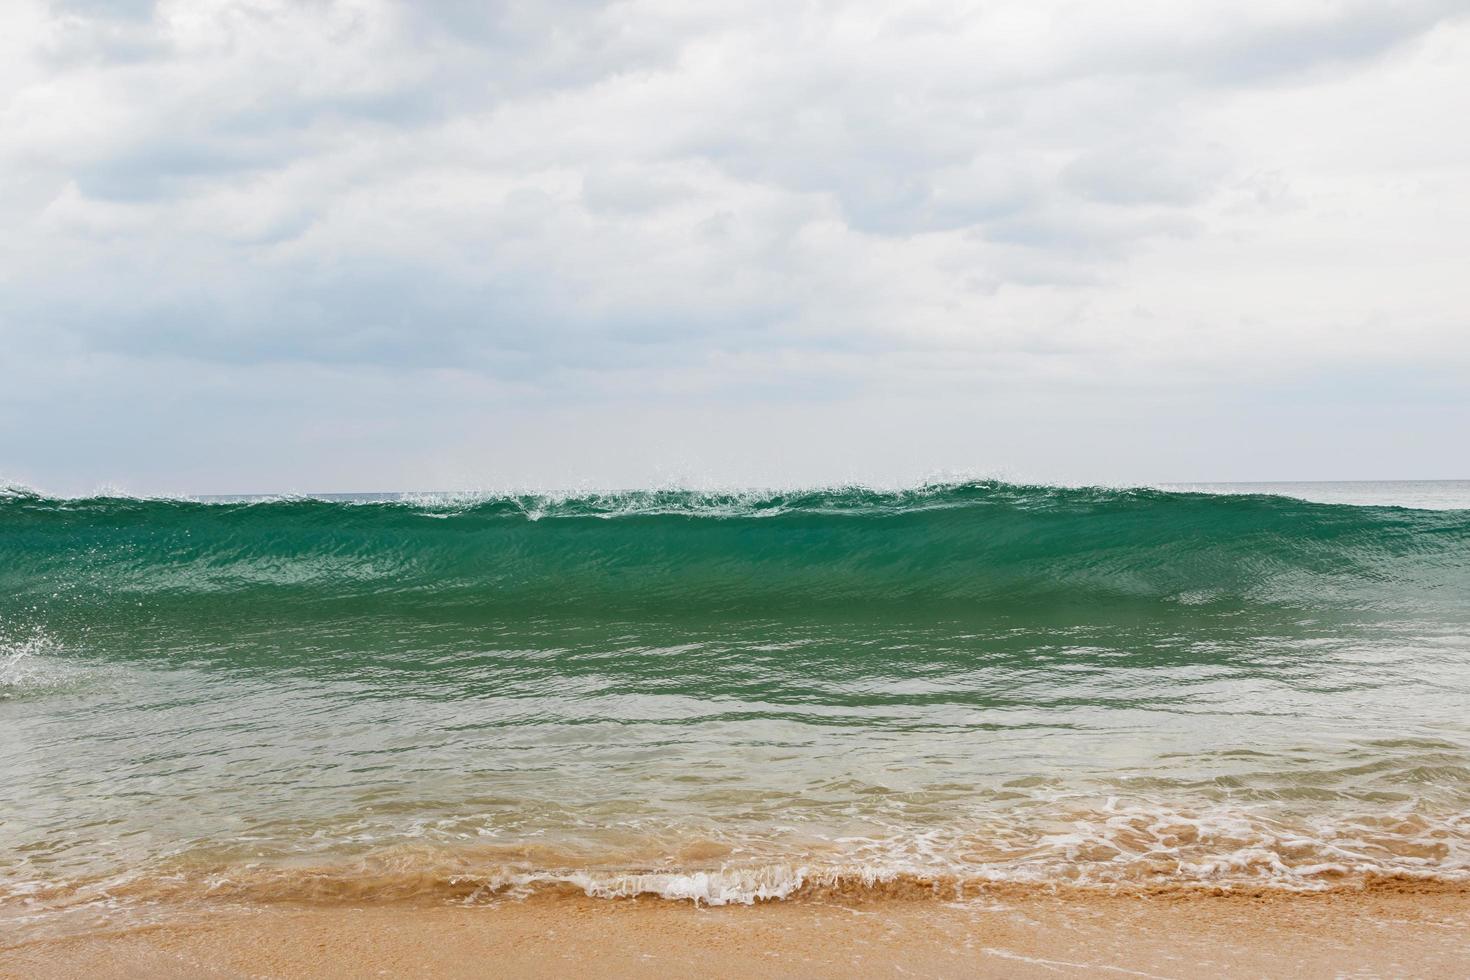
pixel 251 245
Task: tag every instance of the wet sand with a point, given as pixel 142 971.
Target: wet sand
pixel 1417 932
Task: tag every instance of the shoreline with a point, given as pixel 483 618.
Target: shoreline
pixel 1422 931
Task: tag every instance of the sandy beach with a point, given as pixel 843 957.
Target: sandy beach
pixel 1415 932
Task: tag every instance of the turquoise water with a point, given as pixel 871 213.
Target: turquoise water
pixel 729 696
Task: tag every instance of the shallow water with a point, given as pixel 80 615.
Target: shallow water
pixel 730 697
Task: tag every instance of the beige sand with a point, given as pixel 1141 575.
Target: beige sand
pixel 1385 933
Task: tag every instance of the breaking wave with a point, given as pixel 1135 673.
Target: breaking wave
pixel 964 545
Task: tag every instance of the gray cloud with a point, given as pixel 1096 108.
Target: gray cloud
pixel 631 197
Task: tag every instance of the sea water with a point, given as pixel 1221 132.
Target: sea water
pixel 730 697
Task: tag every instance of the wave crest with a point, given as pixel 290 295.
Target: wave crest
pixel 678 551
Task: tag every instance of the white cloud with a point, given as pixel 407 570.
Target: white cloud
pixel 648 200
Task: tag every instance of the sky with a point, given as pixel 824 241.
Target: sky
pixel 336 245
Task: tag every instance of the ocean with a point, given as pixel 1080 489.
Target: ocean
pixel 729 697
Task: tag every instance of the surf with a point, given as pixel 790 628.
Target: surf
pixel 969 545
pixel 728 697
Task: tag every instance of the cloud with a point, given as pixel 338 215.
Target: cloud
pixel 833 198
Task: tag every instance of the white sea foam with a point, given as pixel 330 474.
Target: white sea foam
pixel 27 664
pixel 1120 847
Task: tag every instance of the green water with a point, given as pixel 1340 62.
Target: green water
pixel 728 696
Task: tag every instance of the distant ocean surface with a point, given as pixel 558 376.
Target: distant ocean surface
pixel 728 697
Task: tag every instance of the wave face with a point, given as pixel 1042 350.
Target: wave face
pixel 980 544
pixel 726 697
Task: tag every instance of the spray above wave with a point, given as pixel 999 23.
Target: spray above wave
pixel 30 667
pixel 680 551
